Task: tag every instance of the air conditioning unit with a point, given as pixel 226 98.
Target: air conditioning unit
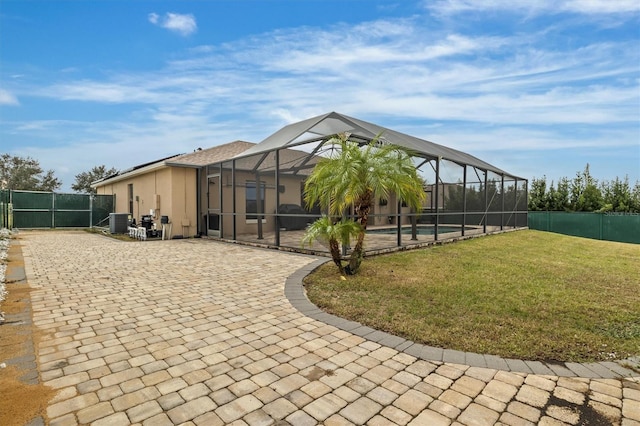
pixel 118 223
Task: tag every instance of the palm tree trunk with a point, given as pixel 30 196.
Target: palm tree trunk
pixel 356 256
pixel 363 217
pixel 334 248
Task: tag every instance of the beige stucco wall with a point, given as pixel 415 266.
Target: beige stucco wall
pixel 183 208
pixel 169 191
pixel 382 213
pixel 290 195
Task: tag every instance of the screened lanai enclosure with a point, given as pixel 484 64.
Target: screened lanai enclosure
pixel 257 196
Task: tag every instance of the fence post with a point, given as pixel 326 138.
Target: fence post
pixel 601 220
pixel 548 221
pixel 53 210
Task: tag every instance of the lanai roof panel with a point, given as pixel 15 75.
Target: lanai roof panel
pixel 325 126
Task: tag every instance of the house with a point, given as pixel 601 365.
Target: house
pixel 253 193
pixel 167 187
pixel 190 193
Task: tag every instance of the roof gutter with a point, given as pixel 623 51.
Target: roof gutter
pixel 130 174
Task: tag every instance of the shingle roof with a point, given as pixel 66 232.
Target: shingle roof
pixel 195 159
pixel 210 155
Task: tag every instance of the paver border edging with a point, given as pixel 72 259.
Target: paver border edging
pixel 294 292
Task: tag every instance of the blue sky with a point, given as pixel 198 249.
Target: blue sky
pixel 534 87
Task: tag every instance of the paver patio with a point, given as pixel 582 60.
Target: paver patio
pixel 201 333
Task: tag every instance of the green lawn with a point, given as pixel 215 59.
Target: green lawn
pixel 527 294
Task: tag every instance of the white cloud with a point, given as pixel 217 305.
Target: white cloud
pixel 94 91
pixel 585 7
pixel 600 6
pixel 183 24
pixel 400 70
pixel 6 98
pixel 201 49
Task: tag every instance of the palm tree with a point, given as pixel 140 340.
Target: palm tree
pixel 333 233
pixel 355 175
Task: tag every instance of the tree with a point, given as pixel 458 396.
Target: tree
pixel 559 197
pixel 21 173
pixel 84 179
pixel 635 197
pixel 617 195
pixel 538 194
pixel 340 232
pixel 355 176
pixel 585 194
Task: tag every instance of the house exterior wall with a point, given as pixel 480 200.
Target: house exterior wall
pixel 386 213
pixel 290 193
pixel 168 191
pixel 183 207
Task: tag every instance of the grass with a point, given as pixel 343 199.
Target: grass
pixel 527 294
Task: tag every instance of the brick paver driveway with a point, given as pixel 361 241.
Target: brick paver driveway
pixel 200 332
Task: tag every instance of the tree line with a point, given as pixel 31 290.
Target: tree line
pixel 474 199
pixel 584 193
pixel 26 174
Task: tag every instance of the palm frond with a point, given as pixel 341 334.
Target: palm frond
pixel 354 175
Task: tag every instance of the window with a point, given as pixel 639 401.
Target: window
pixel 252 200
